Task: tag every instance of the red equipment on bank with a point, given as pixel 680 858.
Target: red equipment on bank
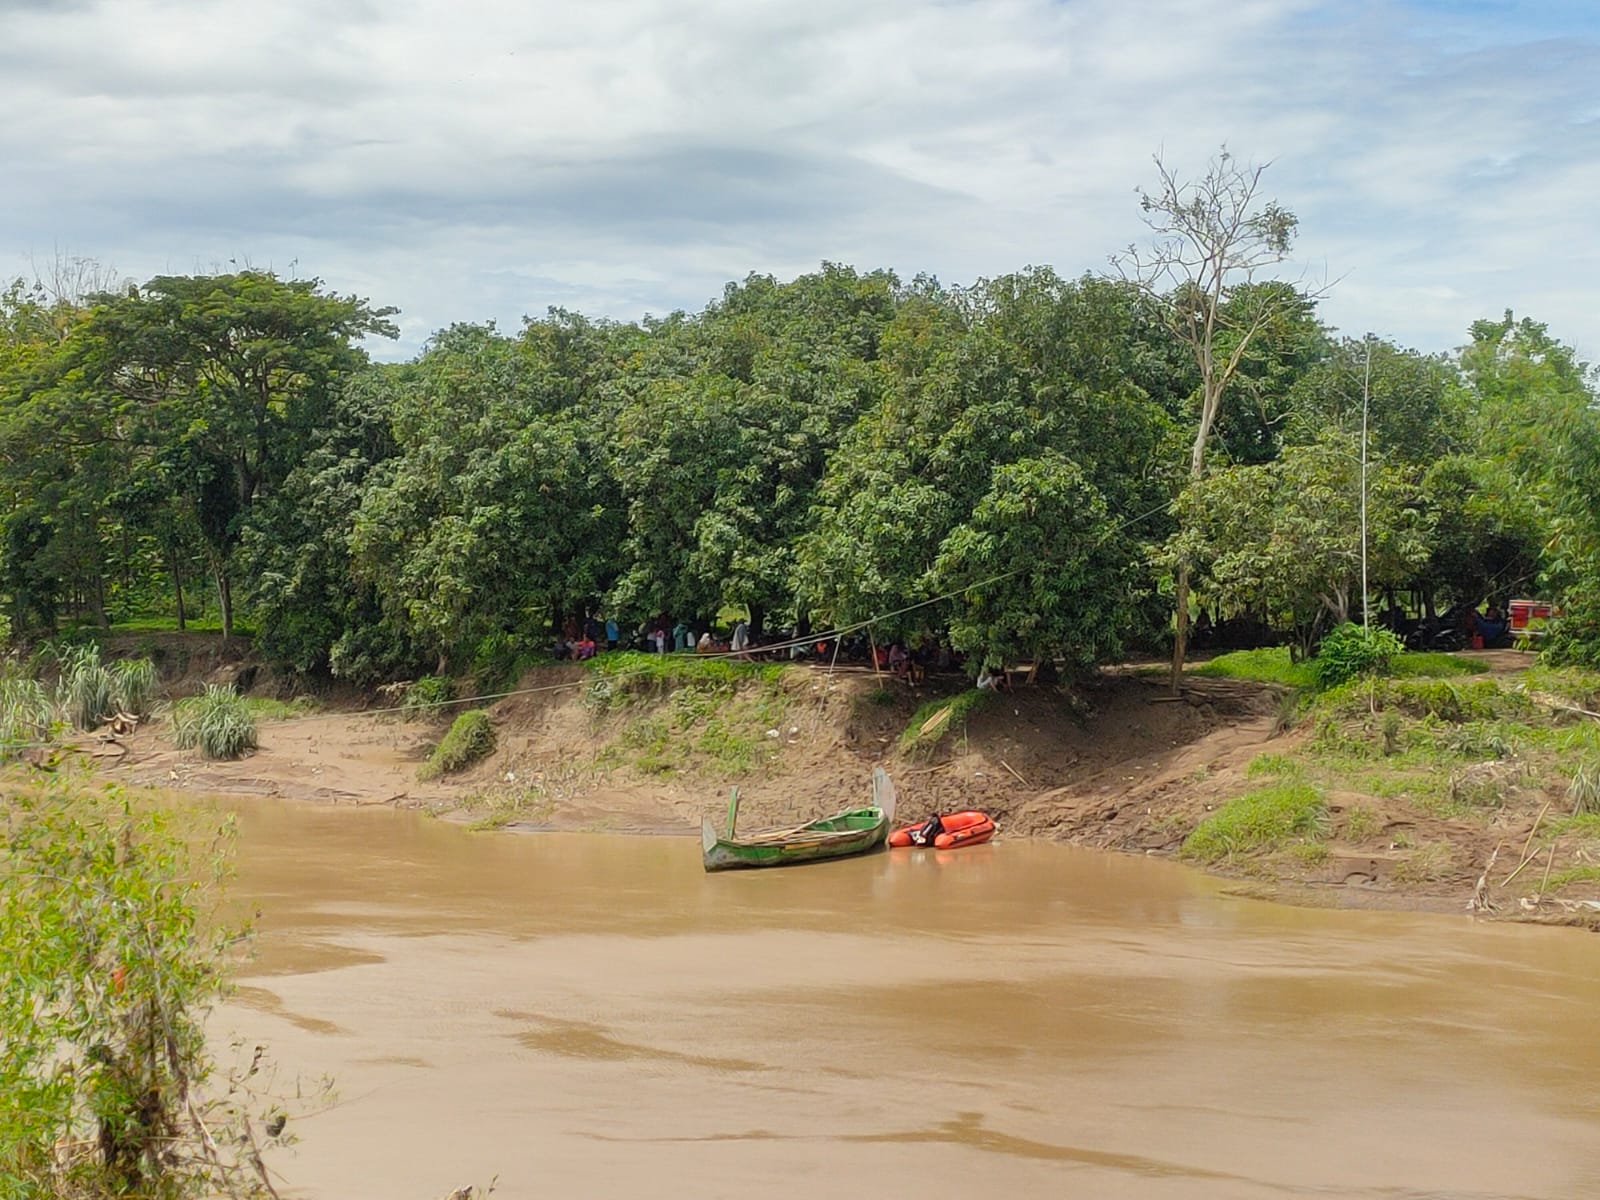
pixel 946 831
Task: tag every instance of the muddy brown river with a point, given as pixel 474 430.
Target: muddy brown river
pixel 592 1016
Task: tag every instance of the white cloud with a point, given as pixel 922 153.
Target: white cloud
pixel 484 159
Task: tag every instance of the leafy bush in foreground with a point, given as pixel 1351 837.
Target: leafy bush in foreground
pixel 112 962
pixel 470 738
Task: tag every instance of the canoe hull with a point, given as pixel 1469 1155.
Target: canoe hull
pixel 839 835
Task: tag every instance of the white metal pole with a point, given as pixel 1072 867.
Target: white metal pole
pixel 1366 391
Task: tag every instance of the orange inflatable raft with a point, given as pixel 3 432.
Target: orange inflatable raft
pixel 946 831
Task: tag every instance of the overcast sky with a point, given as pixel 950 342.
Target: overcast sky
pixel 475 159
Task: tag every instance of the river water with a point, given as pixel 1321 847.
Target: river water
pixel 593 1016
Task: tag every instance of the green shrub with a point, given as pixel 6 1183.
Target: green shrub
pixel 499 658
pixel 217 722
pixel 470 738
pixel 1262 820
pixel 1352 651
pixel 427 696
pixel 114 953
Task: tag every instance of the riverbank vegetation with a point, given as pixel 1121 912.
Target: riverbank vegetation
pixel 113 957
pixel 1424 780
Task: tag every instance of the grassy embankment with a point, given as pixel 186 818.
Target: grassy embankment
pixel 1422 767
pixel 659 716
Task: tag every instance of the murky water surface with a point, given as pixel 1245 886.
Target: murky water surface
pixel 589 1015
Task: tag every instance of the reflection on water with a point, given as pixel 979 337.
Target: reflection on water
pixel 595 1016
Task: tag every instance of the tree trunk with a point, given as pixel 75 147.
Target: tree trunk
pixel 1210 401
pixel 1181 612
pixel 225 602
pixel 98 596
pixel 177 585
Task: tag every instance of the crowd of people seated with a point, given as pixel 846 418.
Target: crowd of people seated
pixel 909 660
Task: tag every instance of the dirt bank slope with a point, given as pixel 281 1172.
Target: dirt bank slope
pixel 1045 762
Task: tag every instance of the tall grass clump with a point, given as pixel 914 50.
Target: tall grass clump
pixel 1259 821
pixel 84 686
pixel 1584 789
pixel 89 692
pixel 217 722
pixel 25 712
pixel 470 738
pixel 133 686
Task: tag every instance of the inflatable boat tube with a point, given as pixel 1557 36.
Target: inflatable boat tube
pixel 946 831
pixel 964 829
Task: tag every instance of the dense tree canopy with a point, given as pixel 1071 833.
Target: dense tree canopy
pixel 1007 467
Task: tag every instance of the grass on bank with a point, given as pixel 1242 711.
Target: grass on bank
pixel 706 728
pixel 941 718
pixel 1472 752
pixel 469 739
pixel 265 708
pixel 1272 664
pixel 625 676
pixel 1263 820
pixel 691 713
pixel 204 623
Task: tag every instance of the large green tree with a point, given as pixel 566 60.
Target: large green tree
pixel 1284 540
pixel 224 377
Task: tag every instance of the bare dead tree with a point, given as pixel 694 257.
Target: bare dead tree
pixel 1210 239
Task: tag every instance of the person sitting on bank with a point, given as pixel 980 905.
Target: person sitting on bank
pixel 994 679
pixel 898 660
pixel 704 646
pixel 1491 626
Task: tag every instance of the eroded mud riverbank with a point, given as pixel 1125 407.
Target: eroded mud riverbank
pixel 593 1015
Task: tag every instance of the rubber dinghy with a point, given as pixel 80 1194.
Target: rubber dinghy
pixel 946 831
pixel 850 831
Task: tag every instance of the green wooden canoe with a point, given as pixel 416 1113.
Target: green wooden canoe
pixel 853 831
